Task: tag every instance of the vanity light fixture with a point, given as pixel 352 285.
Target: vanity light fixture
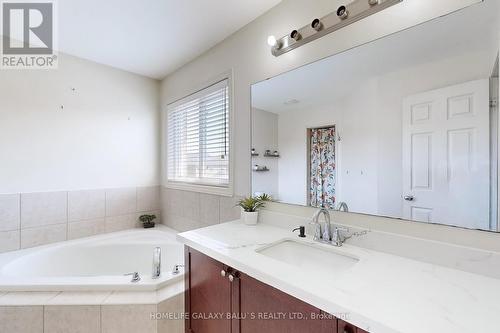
pixel 342 17
pixel 342 12
pixel 295 35
pixel 271 41
pixel 316 24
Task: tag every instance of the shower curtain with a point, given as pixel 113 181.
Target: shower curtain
pixel 322 178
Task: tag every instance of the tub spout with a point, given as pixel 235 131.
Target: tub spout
pixel 176 269
pixel 156 263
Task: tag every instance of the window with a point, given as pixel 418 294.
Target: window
pixel 198 137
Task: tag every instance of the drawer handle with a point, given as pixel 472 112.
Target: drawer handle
pixel 231 278
pixel 223 273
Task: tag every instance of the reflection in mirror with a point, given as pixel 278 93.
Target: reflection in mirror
pixel 405 126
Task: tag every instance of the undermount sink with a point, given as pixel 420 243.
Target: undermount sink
pixel 308 256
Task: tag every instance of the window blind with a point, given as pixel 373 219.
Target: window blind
pixel 198 137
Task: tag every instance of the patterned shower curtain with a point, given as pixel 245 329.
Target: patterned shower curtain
pixel 322 186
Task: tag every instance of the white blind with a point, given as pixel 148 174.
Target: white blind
pixel 198 137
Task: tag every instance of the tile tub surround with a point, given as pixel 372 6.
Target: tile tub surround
pixel 382 293
pixel 186 210
pixel 33 219
pixel 94 312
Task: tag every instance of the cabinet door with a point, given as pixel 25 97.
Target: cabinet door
pixel 264 309
pixel 208 294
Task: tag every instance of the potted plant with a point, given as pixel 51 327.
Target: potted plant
pixel 147 220
pixel 250 208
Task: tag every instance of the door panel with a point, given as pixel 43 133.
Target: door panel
pixel 446 156
pixel 208 296
pixel 259 302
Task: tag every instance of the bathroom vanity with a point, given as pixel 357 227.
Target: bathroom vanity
pixel 403 127
pixel 247 305
pixel 231 268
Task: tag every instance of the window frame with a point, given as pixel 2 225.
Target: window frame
pixel 193 187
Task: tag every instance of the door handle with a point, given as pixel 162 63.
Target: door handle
pixel 409 197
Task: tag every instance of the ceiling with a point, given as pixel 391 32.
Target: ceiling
pixel 150 37
pixel 474 29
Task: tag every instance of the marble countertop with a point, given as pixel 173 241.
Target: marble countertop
pixel 382 293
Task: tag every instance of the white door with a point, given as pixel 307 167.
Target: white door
pixel 446 156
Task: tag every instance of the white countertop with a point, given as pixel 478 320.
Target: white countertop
pixel 382 293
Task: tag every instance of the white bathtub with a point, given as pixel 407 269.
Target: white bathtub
pixel 94 263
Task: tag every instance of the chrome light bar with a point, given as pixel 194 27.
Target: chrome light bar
pixel 344 16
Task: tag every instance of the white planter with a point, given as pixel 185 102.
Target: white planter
pixel 250 218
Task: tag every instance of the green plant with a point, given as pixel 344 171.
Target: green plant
pixel 251 204
pixel 265 197
pixel 147 219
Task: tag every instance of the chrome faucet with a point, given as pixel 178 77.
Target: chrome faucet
pixel 156 263
pixel 324 234
pixel 321 234
pixel 176 269
pixel 343 207
pixel 135 277
pixel 337 239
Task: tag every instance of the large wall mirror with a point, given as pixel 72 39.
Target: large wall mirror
pixel 405 126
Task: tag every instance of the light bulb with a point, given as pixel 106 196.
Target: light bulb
pixel 271 41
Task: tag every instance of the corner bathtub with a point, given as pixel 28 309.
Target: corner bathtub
pixel 94 263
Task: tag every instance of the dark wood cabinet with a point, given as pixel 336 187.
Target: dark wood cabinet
pixel 208 295
pixel 220 299
pixel 344 327
pixel 266 309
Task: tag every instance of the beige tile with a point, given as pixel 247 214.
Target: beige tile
pixel 175 198
pixel 128 318
pixel 228 209
pixel 43 235
pixel 10 212
pixel 86 205
pixel 85 228
pixel 209 209
pixel 40 209
pixel 10 241
pixel 74 319
pixel 148 198
pixel 79 298
pixel 165 200
pixel 182 224
pixel 27 298
pixel 21 319
pixel 131 297
pixel 189 205
pixel 170 315
pixel 118 223
pixel 121 201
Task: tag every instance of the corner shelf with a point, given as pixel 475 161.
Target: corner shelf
pixel 259 168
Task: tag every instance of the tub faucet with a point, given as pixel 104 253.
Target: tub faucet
pixel 135 277
pixel 176 269
pixel 156 263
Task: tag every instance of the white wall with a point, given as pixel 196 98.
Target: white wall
pixel 106 135
pixel 265 137
pixel 248 55
pixel 369 121
pixel 356 155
